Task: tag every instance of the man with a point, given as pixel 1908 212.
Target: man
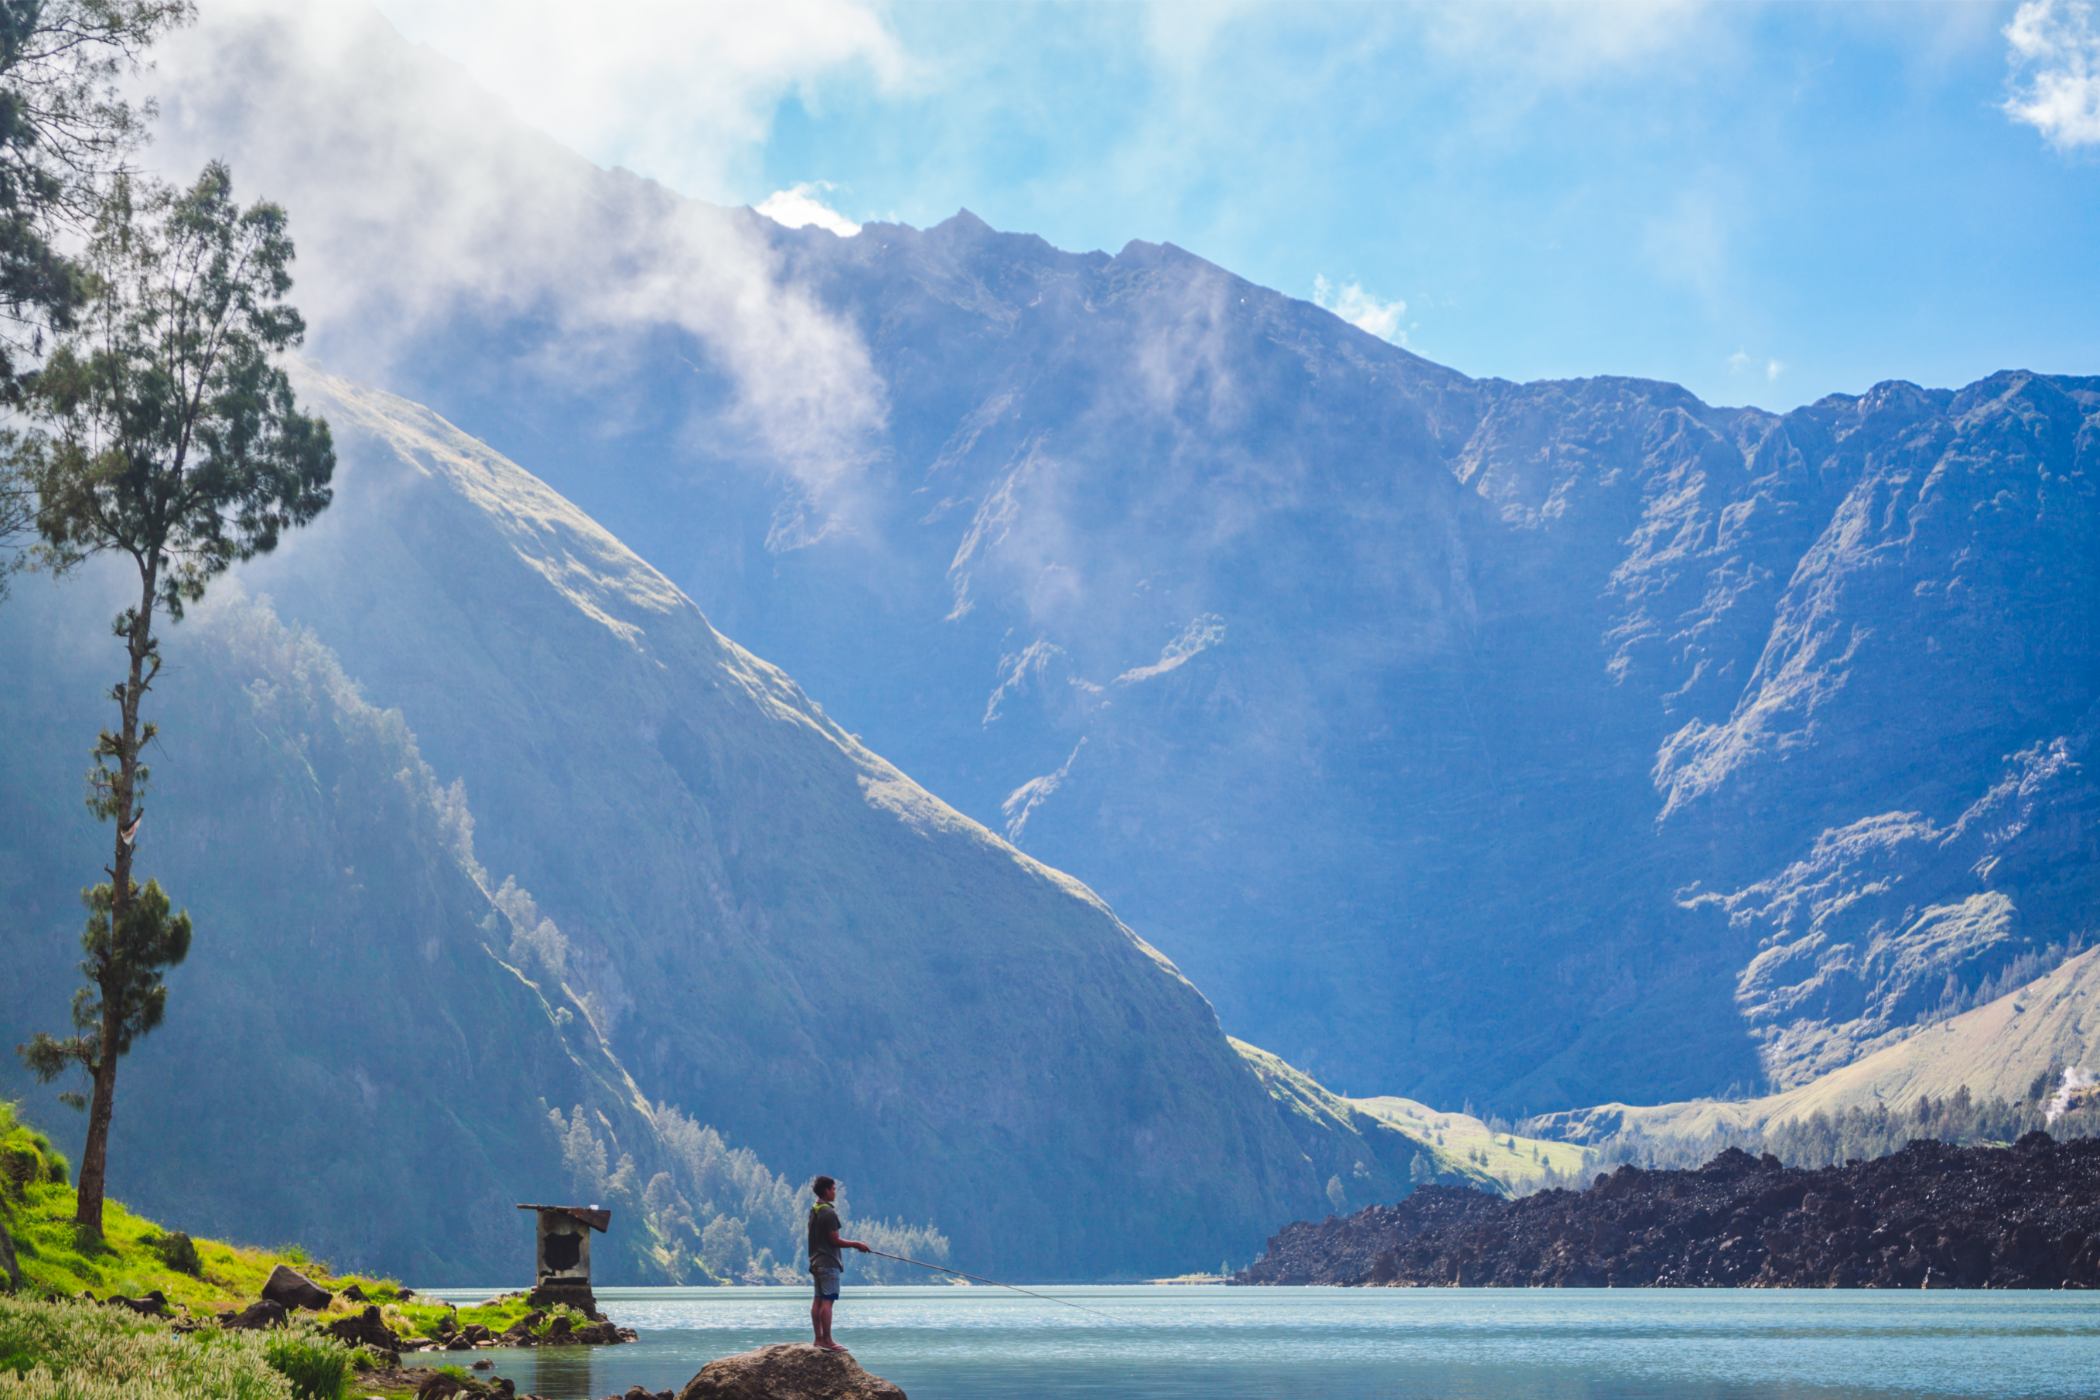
pixel 825 1262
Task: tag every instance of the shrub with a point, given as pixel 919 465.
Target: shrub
pixel 318 1367
pixel 179 1253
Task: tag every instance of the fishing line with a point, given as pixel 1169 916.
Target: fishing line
pixel 992 1281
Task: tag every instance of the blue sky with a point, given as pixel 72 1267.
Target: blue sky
pixel 1764 203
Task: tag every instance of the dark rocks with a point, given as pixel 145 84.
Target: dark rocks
pixel 799 1370
pixel 573 1295
pixel 153 1304
pixel 1342 1251
pixel 635 1392
pixel 1930 1216
pixel 263 1312
pixel 354 1293
pixel 365 1329
pixel 10 1271
pixel 295 1290
pixel 436 1385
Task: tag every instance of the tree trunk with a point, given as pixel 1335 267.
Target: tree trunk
pixel 94 1154
pixel 94 1157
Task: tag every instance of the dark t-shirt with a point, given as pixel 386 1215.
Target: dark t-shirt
pixel 824 1225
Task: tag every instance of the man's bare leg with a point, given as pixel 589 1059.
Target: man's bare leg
pixel 820 1319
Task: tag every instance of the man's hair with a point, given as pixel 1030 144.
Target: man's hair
pixel 822 1184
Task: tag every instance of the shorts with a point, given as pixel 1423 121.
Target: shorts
pixel 827 1282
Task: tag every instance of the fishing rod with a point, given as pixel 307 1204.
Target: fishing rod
pixel 992 1281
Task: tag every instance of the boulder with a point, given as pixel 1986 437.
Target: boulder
pixel 154 1304
pixel 354 1293
pixel 263 1312
pixel 365 1329
pixel 519 1334
pixel 295 1290
pixel 793 1372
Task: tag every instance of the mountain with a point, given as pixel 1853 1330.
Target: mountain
pixel 1994 1052
pixel 1536 745
pixel 765 927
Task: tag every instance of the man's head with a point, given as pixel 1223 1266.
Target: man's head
pixel 825 1188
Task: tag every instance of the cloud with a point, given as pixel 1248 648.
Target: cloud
pixel 2054 53
pixel 680 92
pixel 794 208
pixel 1742 361
pixel 423 206
pixel 1362 310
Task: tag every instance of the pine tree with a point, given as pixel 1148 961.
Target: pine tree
pixel 165 433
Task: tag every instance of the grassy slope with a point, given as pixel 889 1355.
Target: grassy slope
pixel 1392 1131
pixel 1995 1050
pixel 57 1259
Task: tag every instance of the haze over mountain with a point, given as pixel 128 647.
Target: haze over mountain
pixel 733 914
pixel 1535 744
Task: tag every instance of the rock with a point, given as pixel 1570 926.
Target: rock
pixel 574 1295
pixel 295 1290
pixel 8 1267
pixel 263 1312
pixel 365 1329
pixel 476 1334
pixel 635 1392
pixel 484 1364
pixel 1930 1216
pixel 154 1304
pixel 354 1293
pixel 792 1372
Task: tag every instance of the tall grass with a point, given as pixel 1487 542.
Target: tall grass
pixel 62 1350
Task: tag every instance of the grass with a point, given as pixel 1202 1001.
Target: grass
pixel 55 1349
pixel 1514 1161
pixel 60 1260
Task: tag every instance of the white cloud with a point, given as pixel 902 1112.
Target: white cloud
pixel 419 201
pixel 1741 362
pixel 681 92
pixel 1362 310
pixel 797 207
pixel 2055 57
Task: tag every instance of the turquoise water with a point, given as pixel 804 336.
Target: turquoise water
pixel 1216 1343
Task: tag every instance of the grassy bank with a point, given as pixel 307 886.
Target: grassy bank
pixel 52 1346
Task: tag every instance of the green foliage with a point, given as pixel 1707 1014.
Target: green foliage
pixel 62 128
pixel 56 1349
pixel 166 429
pixel 127 951
pixel 318 1367
pixel 179 1252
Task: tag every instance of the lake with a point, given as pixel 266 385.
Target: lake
pixel 1218 1343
